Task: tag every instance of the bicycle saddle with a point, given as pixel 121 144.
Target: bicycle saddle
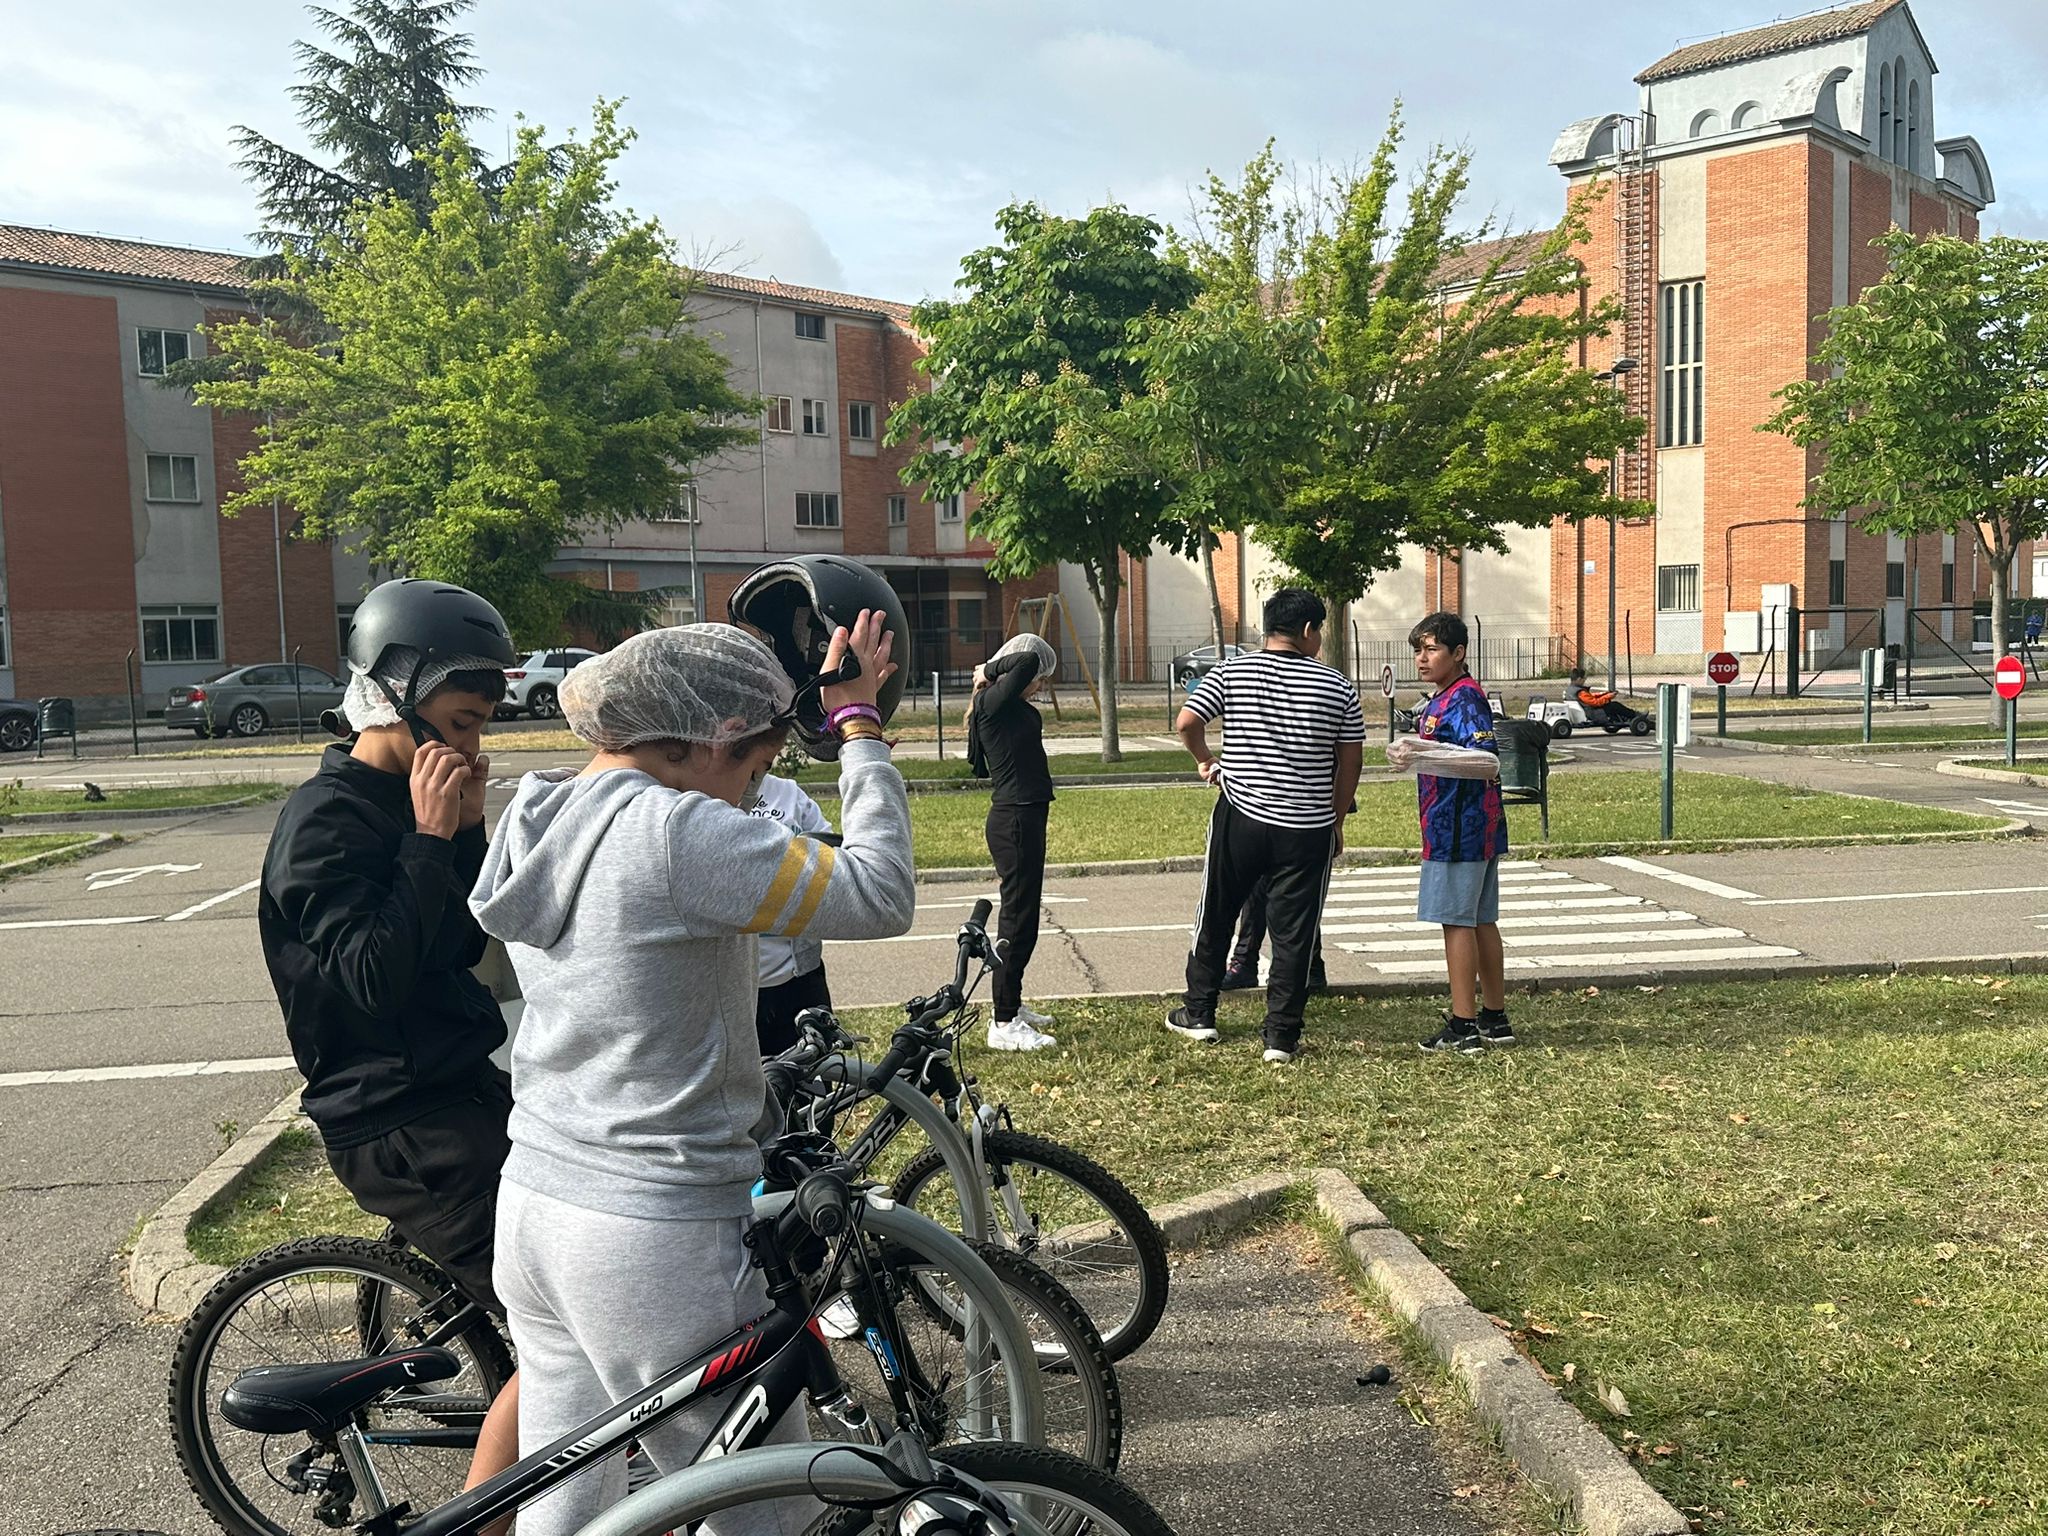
pixel 318 1399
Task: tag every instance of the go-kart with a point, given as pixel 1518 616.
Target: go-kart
pixel 1563 716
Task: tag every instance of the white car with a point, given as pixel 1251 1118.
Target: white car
pixel 531 684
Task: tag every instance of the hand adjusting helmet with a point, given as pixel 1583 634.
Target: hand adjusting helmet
pixel 410 634
pixel 796 604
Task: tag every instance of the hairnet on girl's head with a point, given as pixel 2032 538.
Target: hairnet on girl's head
pixel 1036 644
pixel 712 683
pixel 365 704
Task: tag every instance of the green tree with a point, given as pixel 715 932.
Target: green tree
pixel 1228 407
pixel 482 382
pixel 1929 400
pixel 1056 294
pixel 1449 417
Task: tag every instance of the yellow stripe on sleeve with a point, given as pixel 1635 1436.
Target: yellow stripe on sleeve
pixel 821 877
pixel 792 868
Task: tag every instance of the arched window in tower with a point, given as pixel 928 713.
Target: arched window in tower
pixel 1707 124
pixel 1749 115
pixel 1913 127
pixel 1884 111
pixel 1898 150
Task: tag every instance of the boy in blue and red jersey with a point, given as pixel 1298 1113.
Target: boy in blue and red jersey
pixel 1464 837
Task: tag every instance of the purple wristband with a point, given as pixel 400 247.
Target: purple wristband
pixel 853 712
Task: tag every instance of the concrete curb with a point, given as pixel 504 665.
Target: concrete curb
pixel 153 813
pixel 1549 1440
pixel 1961 770
pixel 164 1279
pixel 1842 748
pixel 96 841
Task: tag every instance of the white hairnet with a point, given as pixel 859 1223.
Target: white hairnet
pixel 365 706
pixel 712 683
pixel 1037 645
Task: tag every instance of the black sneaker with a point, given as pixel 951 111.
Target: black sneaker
pixel 1318 983
pixel 1495 1029
pixel 1192 1026
pixel 1460 1035
pixel 1239 981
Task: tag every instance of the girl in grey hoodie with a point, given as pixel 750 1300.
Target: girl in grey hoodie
pixel 629 896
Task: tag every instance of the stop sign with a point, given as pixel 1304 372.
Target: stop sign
pixel 2009 677
pixel 1723 668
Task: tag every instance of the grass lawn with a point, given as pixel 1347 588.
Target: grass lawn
pixel 147 798
pixel 292 1195
pixel 1799 1226
pixel 1827 736
pixel 26 845
pixel 1607 808
pixel 1064 765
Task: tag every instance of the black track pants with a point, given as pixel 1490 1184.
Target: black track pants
pixel 1296 862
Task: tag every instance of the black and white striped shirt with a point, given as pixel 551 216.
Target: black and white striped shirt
pixel 1284 715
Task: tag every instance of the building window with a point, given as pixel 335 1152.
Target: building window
pixel 969 618
pixel 1682 418
pixel 157 350
pixel 1913 125
pixel 817 509
pixel 1678 589
pixel 181 632
pixel 1838 583
pixel 344 624
pixel 899 511
pixel 1884 111
pixel 860 420
pixel 172 477
pixel 810 327
pixel 682 510
pixel 931 617
pixel 1948 581
pixel 780 417
pixel 817 418
pixel 1895 578
pixel 949 510
pixel 676 610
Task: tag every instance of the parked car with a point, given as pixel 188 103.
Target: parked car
pixel 531 684
pixel 17 725
pixel 250 700
pixel 1189 669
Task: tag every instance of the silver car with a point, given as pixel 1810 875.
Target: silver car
pixel 532 682
pixel 251 700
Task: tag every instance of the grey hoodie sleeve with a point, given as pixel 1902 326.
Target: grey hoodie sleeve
pixel 734 873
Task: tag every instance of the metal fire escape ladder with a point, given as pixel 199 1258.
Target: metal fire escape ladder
pixel 1635 216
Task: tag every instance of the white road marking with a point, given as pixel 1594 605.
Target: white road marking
pixel 1548 904
pixel 1678 877
pixel 1624 958
pixel 106 879
pixel 1531 940
pixel 129 1074
pixel 1574 920
pixel 80 922
pixel 949 935
pixel 1820 901
pixel 2025 807
pixel 996 899
pixel 1410 876
pixel 214 901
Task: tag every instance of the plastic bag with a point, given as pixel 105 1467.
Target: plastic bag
pixel 1414 754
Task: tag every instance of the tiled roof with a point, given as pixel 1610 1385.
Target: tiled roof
pixel 1779 37
pixel 1512 251
pixel 791 293
pixel 22 245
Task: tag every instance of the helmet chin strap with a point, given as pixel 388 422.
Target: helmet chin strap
pixel 407 708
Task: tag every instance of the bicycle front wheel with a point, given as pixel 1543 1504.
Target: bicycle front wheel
pixel 1069 1215
pixel 315 1301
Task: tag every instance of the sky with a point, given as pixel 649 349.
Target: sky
pixel 865 145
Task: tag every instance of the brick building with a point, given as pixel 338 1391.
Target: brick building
pixel 116 565
pixel 1738 202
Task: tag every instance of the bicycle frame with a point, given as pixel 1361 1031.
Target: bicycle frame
pixel 765 1366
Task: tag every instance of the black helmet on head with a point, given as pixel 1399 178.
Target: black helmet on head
pixel 796 604
pixel 438 621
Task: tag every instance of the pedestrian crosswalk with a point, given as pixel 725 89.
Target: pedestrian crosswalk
pixel 1550 920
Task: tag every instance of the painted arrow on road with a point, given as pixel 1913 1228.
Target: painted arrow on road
pixel 105 878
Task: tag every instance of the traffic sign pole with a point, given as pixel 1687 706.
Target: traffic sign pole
pixel 1723 667
pixel 2012 733
pixel 1667 733
pixel 1721 709
pixel 2009 678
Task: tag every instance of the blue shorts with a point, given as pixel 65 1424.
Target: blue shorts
pixel 1461 895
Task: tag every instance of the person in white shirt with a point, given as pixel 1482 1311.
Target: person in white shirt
pixel 792 969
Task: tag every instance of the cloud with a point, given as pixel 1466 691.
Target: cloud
pixel 759 236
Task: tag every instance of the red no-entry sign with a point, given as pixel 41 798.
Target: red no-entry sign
pixel 2009 677
pixel 1723 667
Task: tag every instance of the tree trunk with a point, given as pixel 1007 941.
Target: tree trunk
pixel 2001 583
pixel 1215 595
pixel 1108 587
pixel 1336 635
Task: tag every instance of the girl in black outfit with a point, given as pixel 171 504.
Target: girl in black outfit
pixel 1005 745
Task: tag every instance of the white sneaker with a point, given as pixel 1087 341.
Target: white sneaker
pixel 1017 1035
pixel 1026 1014
pixel 1279 1057
pixel 840 1319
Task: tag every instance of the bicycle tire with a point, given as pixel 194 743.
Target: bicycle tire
pixel 1125 1296
pixel 1083 1401
pixel 1096 1503
pixel 218 1460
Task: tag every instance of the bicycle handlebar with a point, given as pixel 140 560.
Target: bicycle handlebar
pixel 925 1011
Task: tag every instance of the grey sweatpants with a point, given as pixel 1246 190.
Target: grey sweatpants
pixel 600 1307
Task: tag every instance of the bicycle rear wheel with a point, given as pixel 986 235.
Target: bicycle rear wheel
pixel 313 1301
pixel 1066 1495
pixel 1069 1215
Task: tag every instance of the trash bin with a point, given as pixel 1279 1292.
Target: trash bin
pixel 56 717
pixel 1524 747
pixel 1889 682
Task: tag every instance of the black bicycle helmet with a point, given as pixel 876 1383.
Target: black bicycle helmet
pixel 435 618
pixel 796 604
